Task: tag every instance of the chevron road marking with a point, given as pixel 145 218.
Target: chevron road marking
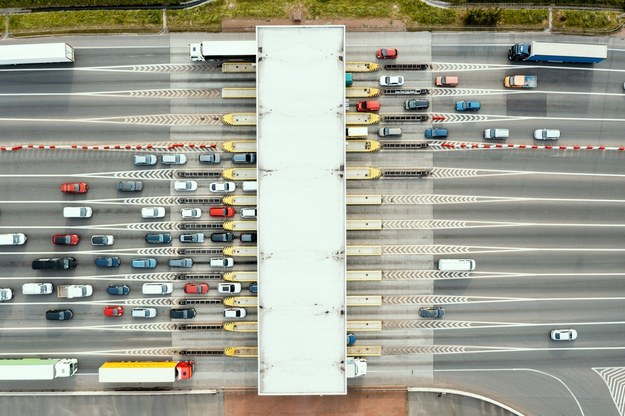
pixel 465 199
pixel 450 224
pixel 614 378
pixel 154 93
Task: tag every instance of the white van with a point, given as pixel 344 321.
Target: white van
pixel 37 288
pixel 77 212
pixel 357 132
pixel 250 186
pixel 14 239
pixel 144 313
pixel 456 265
pixel 157 288
pixel 496 133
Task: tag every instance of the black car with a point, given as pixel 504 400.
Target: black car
pixel 59 315
pixel 431 312
pixel 118 290
pixel 57 263
pixel 130 186
pixel 222 237
pixel 248 237
pixel 163 238
pixel 187 313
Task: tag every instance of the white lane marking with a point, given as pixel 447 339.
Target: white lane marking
pixel 559 380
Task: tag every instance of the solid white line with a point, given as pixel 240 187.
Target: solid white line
pixel 559 380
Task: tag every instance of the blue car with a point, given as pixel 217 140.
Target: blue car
pixel 254 288
pixel 118 290
pixel 468 105
pixel 351 339
pixel 148 263
pixel 107 262
pixel 436 133
pixel 163 238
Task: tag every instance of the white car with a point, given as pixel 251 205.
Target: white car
pixel 397 81
pixel 7 294
pixel 189 213
pixel 222 187
pixel 563 334
pixel 248 212
pixel 185 186
pixel 153 212
pixel 234 313
pixel 229 288
pixel 222 262
pixel 546 134
pixel 175 159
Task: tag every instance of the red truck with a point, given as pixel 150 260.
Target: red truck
pixel 366 106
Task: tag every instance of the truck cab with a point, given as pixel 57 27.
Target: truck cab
pixel 368 106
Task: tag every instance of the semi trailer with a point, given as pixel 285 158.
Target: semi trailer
pixel 37 53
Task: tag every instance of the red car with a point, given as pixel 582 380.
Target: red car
pixel 384 53
pixel 221 212
pixel 196 288
pixel 368 106
pixel 114 311
pixel 65 239
pixel 74 188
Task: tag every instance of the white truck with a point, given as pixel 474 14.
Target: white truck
pixel 38 53
pixel 37 368
pixel 355 367
pixel 223 50
pixel 74 291
pixel 145 371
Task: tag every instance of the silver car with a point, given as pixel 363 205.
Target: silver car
pixel 153 212
pixel 144 160
pixel 546 134
pixel 222 187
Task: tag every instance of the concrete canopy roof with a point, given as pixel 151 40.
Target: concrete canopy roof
pixel 301 209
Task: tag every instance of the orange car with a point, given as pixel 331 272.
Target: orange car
pixel 74 188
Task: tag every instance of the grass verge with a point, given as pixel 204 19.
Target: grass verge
pixel 86 22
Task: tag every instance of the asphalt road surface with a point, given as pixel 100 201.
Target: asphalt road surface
pixel 544 226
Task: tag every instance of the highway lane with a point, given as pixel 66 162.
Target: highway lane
pixel 415 369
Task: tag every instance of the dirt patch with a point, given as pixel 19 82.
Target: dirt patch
pixel 352 25
pixel 374 402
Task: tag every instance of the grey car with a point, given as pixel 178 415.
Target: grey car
pixel 192 238
pixel 431 312
pixel 222 237
pixel 244 158
pixel 213 158
pixel 186 262
pixel 161 238
pixel 416 104
pixel 130 186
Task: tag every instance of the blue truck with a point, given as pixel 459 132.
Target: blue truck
pixel 558 52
